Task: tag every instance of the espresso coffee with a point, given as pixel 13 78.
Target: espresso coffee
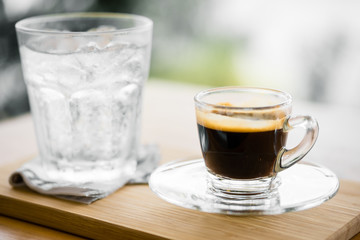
pixel 241 155
pixel 240 147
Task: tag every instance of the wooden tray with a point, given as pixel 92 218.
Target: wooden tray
pixel 134 212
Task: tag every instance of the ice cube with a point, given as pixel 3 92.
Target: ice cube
pixel 89 47
pixel 127 64
pixel 91 120
pixel 125 107
pixel 54 122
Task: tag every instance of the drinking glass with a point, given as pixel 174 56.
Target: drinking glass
pixel 85 74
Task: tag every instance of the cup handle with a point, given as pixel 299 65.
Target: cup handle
pixel 288 157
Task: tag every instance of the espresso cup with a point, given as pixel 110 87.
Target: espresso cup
pixel 243 134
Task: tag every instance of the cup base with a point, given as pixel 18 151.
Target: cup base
pixel 242 189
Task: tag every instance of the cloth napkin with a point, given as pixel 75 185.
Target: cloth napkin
pixel 32 175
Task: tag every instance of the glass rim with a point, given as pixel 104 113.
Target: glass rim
pixel 22 25
pixel 198 96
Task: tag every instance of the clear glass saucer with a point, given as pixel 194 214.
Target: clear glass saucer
pixel 303 186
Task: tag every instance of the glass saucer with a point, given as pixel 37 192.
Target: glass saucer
pixel 303 186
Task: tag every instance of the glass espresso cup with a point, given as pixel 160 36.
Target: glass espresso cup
pixel 243 134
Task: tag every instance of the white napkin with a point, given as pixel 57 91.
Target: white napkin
pixel 31 174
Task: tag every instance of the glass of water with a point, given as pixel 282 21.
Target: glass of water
pixel 85 74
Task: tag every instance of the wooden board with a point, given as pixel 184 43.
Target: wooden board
pixel 134 212
pixel 15 229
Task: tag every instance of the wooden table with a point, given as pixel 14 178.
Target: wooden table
pixel 169 121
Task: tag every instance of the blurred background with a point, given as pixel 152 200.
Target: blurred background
pixel 308 48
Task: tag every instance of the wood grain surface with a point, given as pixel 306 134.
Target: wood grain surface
pixel 15 229
pixel 134 212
